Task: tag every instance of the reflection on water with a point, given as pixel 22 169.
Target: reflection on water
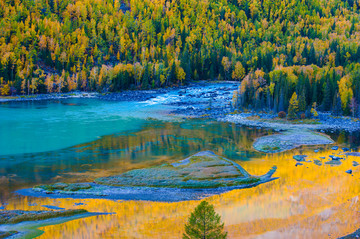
pixel 155 143
pixel 310 201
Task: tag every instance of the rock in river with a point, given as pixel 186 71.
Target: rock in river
pixel 355 154
pixel 333 157
pixel 299 158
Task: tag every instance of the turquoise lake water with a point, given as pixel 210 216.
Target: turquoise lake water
pixel 79 139
pixel 39 126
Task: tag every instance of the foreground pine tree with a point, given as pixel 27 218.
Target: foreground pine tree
pixel 204 223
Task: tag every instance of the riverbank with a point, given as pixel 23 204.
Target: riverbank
pixel 325 122
pixel 129 95
pixel 25 224
pixel 126 95
pixel 52 96
pixel 207 100
pixel 216 104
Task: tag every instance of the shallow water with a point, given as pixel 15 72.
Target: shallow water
pixel 308 201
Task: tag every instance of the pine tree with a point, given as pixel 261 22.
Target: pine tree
pixel 281 101
pixel 337 109
pixel 312 55
pixel 204 223
pixel 293 107
pixel 302 102
pixel 327 97
pixel 171 74
pixel 146 77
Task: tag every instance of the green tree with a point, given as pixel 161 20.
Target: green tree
pixel 293 107
pixel 302 102
pixel 204 223
pixel 337 109
pixel 327 97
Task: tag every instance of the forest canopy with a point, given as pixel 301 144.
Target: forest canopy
pixel 276 47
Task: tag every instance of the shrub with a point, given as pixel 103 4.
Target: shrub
pixel 282 115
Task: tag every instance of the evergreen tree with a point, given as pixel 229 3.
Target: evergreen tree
pixel 204 223
pixel 302 102
pixel 293 107
pixel 268 98
pixel 171 75
pixel 281 101
pixel 337 108
pixel 146 77
pixel 327 97
pixel 312 55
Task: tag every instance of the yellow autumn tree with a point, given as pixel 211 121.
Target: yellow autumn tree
pixel 239 71
pixel 345 91
pixel 226 64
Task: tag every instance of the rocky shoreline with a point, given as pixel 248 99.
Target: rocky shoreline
pixel 206 100
pixel 45 97
pixel 213 101
pixel 325 122
pixel 130 95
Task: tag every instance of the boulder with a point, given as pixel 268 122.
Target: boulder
pixel 348 171
pixel 333 157
pixel 299 158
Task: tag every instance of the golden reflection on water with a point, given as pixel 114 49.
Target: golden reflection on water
pixel 307 201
